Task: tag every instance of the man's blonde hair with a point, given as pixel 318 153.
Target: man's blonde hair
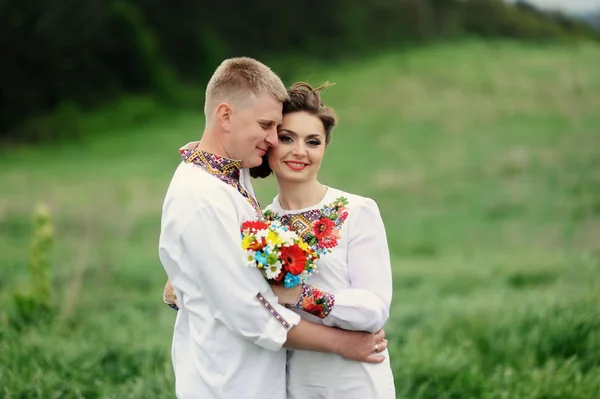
pixel 238 77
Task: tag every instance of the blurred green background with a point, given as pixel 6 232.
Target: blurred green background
pixel 475 125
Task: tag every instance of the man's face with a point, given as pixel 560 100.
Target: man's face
pixel 253 129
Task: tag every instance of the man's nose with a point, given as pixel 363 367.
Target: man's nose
pixel 272 138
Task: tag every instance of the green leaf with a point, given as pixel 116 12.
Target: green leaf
pixel 271 259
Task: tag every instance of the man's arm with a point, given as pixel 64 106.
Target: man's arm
pixel 352 345
pixel 303 337
pixel 210 269
pixel 359 347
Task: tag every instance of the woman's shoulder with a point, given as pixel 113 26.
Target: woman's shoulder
pixel 354 201
pixel 271 206
pixel 360 211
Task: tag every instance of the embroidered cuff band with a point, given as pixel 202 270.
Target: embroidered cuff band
pixel 316 302
pixel 273 312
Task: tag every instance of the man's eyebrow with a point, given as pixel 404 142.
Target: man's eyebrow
pixel 270 120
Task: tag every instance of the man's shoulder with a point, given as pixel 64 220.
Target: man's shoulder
pixel 192 183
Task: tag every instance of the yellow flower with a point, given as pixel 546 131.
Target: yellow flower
pixel 303 245
pixel 247 241
pixel 274 238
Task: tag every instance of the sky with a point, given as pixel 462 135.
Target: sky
pixel 577 6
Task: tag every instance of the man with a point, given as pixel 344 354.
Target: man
pixel 229 328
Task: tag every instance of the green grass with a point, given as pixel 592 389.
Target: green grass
pixel 485 162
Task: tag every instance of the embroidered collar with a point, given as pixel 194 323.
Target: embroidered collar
pixel 213 164
pixel 225 169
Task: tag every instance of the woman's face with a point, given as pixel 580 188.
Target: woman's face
pixel 297 158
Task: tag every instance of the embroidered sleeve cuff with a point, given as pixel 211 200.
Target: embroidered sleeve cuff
pixel 275 333
pixel 316 302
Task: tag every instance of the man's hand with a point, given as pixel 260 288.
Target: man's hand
pixel 169 296
pixel 362 346
pixel 287 296
pixel 352 345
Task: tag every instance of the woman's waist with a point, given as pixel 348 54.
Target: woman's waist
pixel 308 363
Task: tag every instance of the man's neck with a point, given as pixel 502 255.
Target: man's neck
pixel 294 196
pixel 209 143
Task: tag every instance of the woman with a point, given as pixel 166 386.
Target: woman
pixel 354 272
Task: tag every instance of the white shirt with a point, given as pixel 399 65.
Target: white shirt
pixel 226 340
pixel 358 272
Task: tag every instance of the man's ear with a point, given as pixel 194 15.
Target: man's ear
pixel 223 116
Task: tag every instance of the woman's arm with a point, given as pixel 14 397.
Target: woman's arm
pixel 365 305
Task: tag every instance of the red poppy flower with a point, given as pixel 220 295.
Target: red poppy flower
pixel 254 225
pixel 293 259
pixel 314 309
pixel 322 228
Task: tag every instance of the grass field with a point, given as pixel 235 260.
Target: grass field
pixel 485 162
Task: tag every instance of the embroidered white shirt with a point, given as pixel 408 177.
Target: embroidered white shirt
pixel 358 272
pixel 229 328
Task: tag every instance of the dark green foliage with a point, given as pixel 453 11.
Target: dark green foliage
pixel 63 57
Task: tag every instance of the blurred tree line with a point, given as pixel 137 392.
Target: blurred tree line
pixel 64 56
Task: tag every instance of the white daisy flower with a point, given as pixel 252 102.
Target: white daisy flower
pixel 288 237
pixel 272 271
pixel 249 258
pixel 261 234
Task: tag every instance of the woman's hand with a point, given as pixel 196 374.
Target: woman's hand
pixel 287 296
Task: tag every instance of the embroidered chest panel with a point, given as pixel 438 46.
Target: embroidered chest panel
pixel 318 227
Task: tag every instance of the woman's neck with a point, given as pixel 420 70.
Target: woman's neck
pixel 294 196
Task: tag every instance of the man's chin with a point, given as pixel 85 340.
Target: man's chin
pixel 252 163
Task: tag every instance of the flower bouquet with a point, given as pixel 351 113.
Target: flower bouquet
pixel 279 253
